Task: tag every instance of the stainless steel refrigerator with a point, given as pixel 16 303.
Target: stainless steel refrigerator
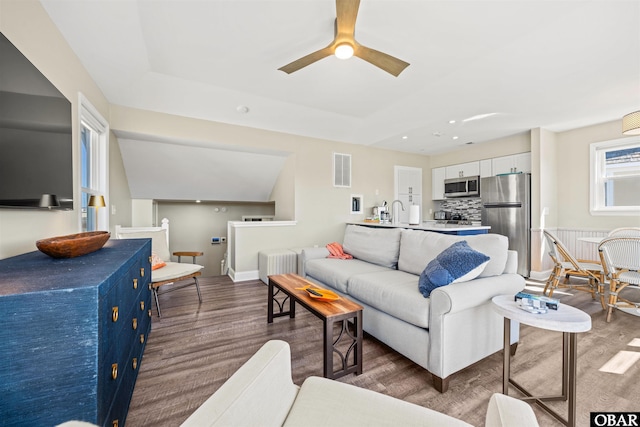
pixel 506 207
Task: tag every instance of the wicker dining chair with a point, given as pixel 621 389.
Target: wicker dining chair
pixel 625 232
pixel 621 262
pixel 565 263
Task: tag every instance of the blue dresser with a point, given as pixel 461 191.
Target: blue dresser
pixel 72 334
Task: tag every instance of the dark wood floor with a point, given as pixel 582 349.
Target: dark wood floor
pixel 195 347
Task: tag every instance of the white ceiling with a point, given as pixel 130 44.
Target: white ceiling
pixel 539 63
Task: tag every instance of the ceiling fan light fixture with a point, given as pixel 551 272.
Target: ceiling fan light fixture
pixel 344 51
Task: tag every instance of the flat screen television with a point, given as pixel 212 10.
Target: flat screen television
pixel 35 135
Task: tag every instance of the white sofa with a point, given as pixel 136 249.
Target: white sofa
pixel 451 329
pixel 262 393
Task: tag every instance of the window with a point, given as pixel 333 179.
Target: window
pixel 615 177
pixel 94 132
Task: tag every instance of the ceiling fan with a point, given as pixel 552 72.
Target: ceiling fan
pixel 344 44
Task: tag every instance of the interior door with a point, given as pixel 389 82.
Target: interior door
pixel 408 189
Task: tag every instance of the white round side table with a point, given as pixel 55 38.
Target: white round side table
pixel 568 320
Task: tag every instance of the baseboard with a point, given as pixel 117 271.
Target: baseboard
pixel 241 276
pixel 541 276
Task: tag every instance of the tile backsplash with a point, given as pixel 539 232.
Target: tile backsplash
pixel 469 208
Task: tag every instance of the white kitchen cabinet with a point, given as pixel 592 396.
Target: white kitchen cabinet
pixel 485 168
pixel 437 183
pixel 523 162
pixel 408 189
pixel 462 170
pixel 511 164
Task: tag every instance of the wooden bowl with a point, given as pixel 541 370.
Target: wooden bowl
pixel 73 245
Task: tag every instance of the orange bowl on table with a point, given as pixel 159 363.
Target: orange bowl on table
pixel 325 295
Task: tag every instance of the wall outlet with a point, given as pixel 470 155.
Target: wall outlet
pixel 223 240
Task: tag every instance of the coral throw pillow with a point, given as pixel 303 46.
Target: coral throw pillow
pixel 156 261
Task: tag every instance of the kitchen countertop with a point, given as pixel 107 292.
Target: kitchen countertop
pixel 426 226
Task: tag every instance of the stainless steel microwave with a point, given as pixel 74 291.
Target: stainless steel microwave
pixel 468 186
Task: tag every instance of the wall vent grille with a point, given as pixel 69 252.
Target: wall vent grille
pixel 341 170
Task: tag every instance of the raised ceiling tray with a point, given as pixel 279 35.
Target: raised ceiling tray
pixel 73 245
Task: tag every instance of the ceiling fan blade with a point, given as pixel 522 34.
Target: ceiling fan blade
pixel 307 60
pixel 381 60
pixel 346 14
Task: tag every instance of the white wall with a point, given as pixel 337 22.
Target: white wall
pixel 573 177
pixel 192 225
pixel 143 213
pixel 26 24
pixel 304 191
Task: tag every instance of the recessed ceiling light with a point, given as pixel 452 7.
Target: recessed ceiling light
pixel 198 201
pixel 455 137
pixel 405 137
pixel 452 121
pixel 437 134
pixel 242 109
pixel 479 117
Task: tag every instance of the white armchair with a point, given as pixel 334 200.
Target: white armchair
pixel 262 393
pixel 170 272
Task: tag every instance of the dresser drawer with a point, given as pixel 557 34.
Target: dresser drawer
pixel 118 303
pixel 117 411
pixel 128 344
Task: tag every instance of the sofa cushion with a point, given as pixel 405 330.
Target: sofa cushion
pixel 418 248
pixel 457 263
pixel 173 270
pixel 379 246
pixel 324 402
pixel 393 292
pixel 336 272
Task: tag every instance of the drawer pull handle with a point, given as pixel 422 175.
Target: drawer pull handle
pixel 114 423
pixel 114 314
pixel 141 338
pixel 149 312
pixel 150 260
pixel 114 371
pixel 142 272
pixel 134 323
pixel 134 363
pixel 135 283
pixel 142 305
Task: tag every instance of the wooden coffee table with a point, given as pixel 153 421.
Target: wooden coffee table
pixel 330 312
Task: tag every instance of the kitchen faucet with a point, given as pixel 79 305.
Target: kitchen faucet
pixel 394 220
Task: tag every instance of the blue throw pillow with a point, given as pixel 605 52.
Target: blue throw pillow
pixel 459 262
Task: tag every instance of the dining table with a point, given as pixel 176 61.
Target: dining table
pixel 595 240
